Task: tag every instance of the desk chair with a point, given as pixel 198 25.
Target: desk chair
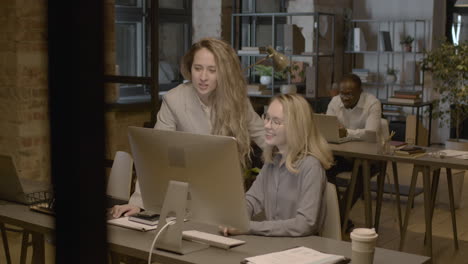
pixel 120 177
pixel 332 226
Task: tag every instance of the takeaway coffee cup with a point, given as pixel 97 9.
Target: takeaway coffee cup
pixel 363 241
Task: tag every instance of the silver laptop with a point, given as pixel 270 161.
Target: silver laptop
pixel 16 189
pixel 329 125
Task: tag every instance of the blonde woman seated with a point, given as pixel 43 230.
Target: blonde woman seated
pixel 213 102
pixel 290 187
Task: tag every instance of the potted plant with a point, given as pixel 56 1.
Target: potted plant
pixel 406 42
pixel 449 67
pixel 266 72
pixel 249 177
pixel 391 76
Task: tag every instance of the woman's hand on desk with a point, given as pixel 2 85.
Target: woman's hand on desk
pixel 229 231
pixel 125 210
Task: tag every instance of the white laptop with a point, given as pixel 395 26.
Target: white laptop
pixel 329 125
pixel 16 189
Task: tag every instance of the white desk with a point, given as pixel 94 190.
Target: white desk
pixel 136 243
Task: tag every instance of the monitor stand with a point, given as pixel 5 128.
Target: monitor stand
pixel 175 203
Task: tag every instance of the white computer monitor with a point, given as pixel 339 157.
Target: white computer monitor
pixel 209 164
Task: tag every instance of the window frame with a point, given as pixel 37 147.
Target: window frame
pixel 154 16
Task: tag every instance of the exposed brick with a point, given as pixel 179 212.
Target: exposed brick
pixel 26 142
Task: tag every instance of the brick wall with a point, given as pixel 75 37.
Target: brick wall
pixel 24 120
pixel 24 123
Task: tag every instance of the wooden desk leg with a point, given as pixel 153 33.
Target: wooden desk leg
pixel 427 208
pixel 24 247
pixel 38 248
pixel 367 193
pixel 414 177
pixel 352 184
pixel 452 206
pixel 5 243
pixel 114 257
pixel 397 194
pixel 380 191
pixel 434 188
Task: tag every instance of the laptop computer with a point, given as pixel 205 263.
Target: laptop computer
pixel 20 190
pixel 329 125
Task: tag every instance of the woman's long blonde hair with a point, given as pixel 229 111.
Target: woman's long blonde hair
pixel 229 99
pixel 302 135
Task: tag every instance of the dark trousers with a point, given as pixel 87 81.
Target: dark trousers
pixel 343 164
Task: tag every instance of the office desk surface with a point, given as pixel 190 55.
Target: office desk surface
pixel 366 150
pixel 20 215
pixel 136 244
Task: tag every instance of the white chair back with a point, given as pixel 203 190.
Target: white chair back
pixel 332 226
pixel 118 185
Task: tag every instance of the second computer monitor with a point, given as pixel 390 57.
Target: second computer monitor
pixel 210 164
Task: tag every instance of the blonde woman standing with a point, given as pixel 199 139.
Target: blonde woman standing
pixel 214 101
pixel 291 184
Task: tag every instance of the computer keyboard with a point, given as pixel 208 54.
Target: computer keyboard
pixel 211 239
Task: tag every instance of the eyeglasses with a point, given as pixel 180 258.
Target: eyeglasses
pixel 275 122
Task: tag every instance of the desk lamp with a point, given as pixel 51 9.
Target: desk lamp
pixel 280 61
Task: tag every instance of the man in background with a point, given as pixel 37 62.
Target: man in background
pixel 357 112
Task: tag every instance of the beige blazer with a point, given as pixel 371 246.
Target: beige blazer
pixel 181 110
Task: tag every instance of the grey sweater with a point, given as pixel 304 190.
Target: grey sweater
pixel 294 204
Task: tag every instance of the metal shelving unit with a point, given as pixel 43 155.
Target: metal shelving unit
pixel 245 32
pixel 397 58
pixel 397 29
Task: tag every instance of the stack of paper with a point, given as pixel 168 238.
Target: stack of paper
pixel 299 255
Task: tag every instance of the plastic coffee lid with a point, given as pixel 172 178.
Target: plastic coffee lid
pixel 363 233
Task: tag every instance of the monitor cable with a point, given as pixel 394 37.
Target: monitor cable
pixel 156 238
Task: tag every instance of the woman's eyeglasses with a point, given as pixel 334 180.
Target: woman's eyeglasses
pixel 275 122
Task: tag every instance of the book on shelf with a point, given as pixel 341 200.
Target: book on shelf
pixel 385 41
pixel 408 92
pixel 394 99
pixel 297 255
pixel 392 112
pixel 363 74
pixel 359 40
pixel 262 92
pixel 255 87
pixel 406 96
pixel 252 50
